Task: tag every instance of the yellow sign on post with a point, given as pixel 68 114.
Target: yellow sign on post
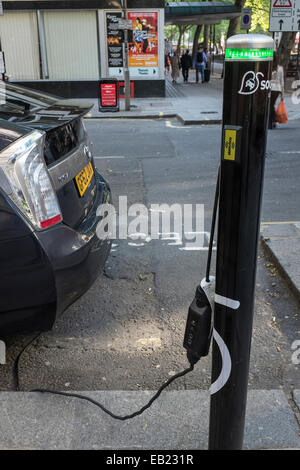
pixel 230 144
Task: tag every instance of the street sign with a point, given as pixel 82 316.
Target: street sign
pixel 246 18
pixel 285 15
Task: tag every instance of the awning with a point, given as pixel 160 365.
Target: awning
pixel 187 13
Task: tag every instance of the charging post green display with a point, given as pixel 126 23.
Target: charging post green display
pixel 248 54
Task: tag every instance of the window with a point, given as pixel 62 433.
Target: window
pixel 19 40
pixel 72 45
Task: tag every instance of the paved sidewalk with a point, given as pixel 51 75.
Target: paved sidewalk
pixel 177 420
pixel 190 103
pixel 282 241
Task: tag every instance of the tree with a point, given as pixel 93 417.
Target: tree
pixel 197 28
pixel 235 22
pixel 182 29
pixel 260 15
pixel 206 36
pixel 196 39
pixel 286 45
pixel 171 32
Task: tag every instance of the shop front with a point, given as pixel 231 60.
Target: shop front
pixel 65 47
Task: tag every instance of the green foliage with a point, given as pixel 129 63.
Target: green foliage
pixel 260 22
pixel 171 32
pixel 260 15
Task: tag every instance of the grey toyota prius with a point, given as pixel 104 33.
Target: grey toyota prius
pixel 50 193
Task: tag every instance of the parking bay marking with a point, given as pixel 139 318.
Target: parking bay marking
pixel 172 239
pixel 281 222
pixel 108 156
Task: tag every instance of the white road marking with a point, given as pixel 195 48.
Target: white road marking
pixel 142 236
pixel 289 151
pixel 196 248
pixel 281 223
pixel 108 157
pixel 173 237
pixel 169 124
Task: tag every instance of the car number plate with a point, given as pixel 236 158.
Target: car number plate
pixel 83 178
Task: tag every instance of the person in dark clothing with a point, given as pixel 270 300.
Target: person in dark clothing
pixel 200 61
pixel 167 63
pixel 186 64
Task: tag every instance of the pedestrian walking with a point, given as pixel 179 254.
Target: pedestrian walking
pixel 186 64
pixel 277 88
pixel 167 63
pixel 175 66
pixel 201 60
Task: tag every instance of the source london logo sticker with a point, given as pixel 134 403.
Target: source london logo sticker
pixel 251 82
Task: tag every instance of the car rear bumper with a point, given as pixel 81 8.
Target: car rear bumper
pixel 63 265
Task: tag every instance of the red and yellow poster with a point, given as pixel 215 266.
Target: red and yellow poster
pixel 143 50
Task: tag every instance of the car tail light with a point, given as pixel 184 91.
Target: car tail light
pixel 31 187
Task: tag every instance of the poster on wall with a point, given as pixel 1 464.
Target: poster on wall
pixel 115 37
pixel 143 50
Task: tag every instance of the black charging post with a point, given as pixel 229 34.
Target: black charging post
pixel 248 64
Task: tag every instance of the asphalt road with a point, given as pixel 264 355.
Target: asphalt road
pixel 126 333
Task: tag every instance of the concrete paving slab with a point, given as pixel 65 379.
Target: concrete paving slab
pixel 282 242
pixel 270 422
pixel 279 231
pixel 178 420
pixel 35 421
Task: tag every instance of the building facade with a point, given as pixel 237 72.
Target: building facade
pixel 64 47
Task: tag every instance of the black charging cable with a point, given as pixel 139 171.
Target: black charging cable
pixel 213 225
pixel 16 373
pixel 196 341
pixel 85 397
pixel 113 415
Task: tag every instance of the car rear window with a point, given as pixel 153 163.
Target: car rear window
pixel 63 140
pixel 18 100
